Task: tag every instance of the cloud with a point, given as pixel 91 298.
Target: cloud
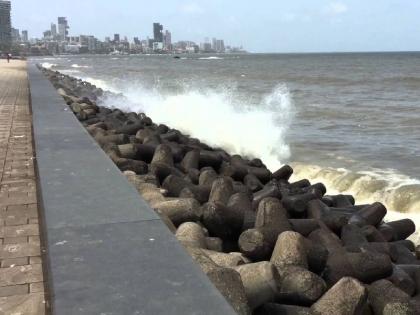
pixel 192 8
pixel 336 8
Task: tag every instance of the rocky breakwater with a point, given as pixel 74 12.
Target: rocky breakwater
pixel 269 245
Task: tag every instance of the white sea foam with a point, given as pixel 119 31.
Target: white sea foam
pixel 252 130
pixel 70 71
pixel 99 83
pixel 211 58
pixel 78 66
pixel 396 191
pixel 399 193
pixel 259 130
pixel 48 65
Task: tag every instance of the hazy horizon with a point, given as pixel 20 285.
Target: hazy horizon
pixel 267 26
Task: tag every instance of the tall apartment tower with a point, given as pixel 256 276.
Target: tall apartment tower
pixel 214 44
pixel 25 37
pixel 220 46
pixel 157 32
pixel 53 30
pixel 15 35
pixel 167 40
pixel 116 38
pixel 5 25
pixel 63 27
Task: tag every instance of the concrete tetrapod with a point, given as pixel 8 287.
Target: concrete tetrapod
pixel 347 297
pixel 387 299
pixel 261 282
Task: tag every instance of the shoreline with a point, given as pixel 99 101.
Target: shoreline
pixel 225 208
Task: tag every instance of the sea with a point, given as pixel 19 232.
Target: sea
pixel 349 120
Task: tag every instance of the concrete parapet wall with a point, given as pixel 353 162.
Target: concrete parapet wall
pixel 107 250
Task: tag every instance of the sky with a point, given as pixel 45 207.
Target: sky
pixel 260 26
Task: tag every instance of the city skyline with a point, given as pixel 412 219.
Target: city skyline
pixel 60 31
pixel 58 40
pixel 263 26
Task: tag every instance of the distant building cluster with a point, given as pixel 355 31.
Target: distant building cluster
pixel 5 25
pixel 57 40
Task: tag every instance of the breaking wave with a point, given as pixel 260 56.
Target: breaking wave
pixel 78 66
pixel 211 58
pixel 213 116
pixel 48 65
pixel 399 193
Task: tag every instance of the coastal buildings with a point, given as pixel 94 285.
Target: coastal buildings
pixel 116 38
pixel 15 35
pixel 57 40
pixel 5 25
pixel 157 32
pixel 25 37
pixel 63 27
pixel 167 40
pixel 54 30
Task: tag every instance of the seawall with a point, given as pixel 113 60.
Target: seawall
pixel 107 250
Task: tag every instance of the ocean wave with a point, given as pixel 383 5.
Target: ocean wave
pixel 49 58
pixel 48 65
pixel 403 79
pixel 399 193
pixel 215 117
pixel 99 83
pixel 211 58
pixel 70 71
pixel 78 66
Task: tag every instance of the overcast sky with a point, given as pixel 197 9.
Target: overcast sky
pixel 260 26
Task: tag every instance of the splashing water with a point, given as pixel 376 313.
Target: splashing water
pixel 399 193
pixel 260 130
pixel 252 130
pixel 79 66
pixel 48 65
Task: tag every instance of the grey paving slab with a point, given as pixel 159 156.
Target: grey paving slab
pixel 141 267
pixel 80 184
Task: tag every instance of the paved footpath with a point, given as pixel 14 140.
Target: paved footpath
pixel 21 277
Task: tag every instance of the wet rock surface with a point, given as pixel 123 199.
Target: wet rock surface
pixel 269 245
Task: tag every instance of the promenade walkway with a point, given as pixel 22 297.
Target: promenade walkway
pixel 21 276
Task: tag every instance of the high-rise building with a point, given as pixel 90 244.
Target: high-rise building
pixel 63 27
pixel 117 38
pixel 25 37
pixel 136 41
pixel 91 44
pixel 47 35
pixel 15 35
pixel 84 40
pixel 220 46
pixel 213 43
pixel 205 47
pixel 167 40
pixel 5 25
pixel 157 32
pixel 53 30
